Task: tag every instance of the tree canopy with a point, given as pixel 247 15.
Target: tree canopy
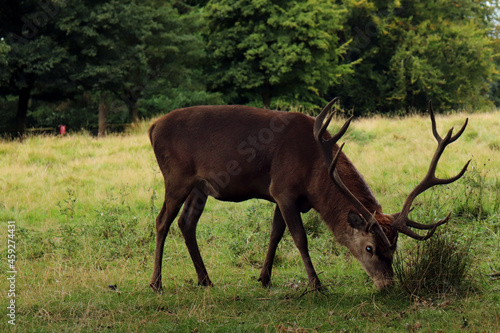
pixel 74 62
pixel 269 48
pixel 414 51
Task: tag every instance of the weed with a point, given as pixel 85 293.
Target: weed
pixel 474 202
pixel 248 240
pixel 70 240
pixel 34 244
pixel 67 205
pixel 313 224
pixel 115 229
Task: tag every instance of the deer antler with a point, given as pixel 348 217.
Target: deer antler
pixel 401 221
pixel 320 126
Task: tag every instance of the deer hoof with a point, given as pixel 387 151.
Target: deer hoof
pixel 265 281
pixel 157 287
pixel 205 283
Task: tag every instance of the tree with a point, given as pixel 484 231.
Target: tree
pixel 413 51
pixel 107 39
pixel 495 87
pixel 4 50
pixel 274 48
pixel 131 48
pixel 174 52
pixel 35 61
pixel 106 51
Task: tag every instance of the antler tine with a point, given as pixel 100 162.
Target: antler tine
pixel 342 131
pixel 320 125
pixel 408 232
pixel 433 121
pixel 402 222
pixel 405 228
pixel 372 223
pixel 421 226
pixel 434 130
pixel 456 136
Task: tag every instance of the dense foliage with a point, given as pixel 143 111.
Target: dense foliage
pixel 413 51
pixel 274 48
pixel 113 62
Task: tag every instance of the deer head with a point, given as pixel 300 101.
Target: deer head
pixel 377 233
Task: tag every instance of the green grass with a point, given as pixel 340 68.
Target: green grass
pixel 85 209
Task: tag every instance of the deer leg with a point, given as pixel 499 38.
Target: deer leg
pixel 277 231
pixel 193 207
pixel 169 211
pixel 294 223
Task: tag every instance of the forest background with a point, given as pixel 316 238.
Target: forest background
pixel 100 65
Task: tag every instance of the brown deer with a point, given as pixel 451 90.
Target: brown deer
pixel 235 153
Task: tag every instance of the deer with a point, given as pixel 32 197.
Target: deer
pixel 235 153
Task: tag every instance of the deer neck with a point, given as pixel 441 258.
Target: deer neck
pixel 330 202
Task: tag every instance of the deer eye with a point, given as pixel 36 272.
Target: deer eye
pixel 369 249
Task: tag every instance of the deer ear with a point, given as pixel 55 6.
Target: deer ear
pixel 356 221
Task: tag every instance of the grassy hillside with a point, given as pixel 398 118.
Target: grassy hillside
pixel 84 212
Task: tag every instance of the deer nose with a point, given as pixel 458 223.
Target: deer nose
pixel 384 283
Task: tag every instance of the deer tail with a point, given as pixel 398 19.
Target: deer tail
pixel 151 129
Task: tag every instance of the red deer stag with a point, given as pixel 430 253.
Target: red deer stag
pixel 236 153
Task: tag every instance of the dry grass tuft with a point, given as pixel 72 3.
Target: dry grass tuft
pixel 441 265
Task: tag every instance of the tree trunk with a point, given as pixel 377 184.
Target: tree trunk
pixel 266 95
pixel 130 97
pixel 103 116
pixel 133 111
pixel 22 110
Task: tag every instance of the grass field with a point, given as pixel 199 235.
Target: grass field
pixel 84 213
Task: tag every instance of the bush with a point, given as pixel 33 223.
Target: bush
pixel 175 99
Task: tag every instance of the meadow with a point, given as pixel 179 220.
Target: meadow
pixel 84 211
